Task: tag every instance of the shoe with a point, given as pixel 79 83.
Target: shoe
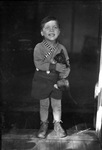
pixel 58 131
pixel 43 130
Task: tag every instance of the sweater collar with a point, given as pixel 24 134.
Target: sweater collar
pixel 49 46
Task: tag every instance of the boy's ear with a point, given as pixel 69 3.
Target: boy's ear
pixel 42 33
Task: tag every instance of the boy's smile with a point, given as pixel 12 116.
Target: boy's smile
pixel 50 31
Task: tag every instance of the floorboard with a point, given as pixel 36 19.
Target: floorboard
pixel 27 140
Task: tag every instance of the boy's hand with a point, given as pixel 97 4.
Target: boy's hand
pixel 60 67
pixel 65 73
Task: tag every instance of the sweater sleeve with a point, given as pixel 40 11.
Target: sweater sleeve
pixel 66 56
pixel 39 60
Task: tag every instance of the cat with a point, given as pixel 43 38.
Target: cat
pixel 62 83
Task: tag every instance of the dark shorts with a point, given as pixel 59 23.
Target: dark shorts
pixel 56 94
pixel 43 85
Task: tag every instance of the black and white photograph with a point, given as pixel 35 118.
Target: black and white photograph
pixel 51 75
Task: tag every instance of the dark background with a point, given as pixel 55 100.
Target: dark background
pixel 20 31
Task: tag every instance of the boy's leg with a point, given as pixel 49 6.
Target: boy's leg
pixel 44 106
pixel 57 111
pixel 56 106
pixel 56 97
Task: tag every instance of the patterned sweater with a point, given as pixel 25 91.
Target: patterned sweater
pixel 44 53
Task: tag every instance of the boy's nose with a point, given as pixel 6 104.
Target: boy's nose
pixel 51 29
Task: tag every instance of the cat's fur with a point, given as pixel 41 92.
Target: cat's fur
pixel 62 83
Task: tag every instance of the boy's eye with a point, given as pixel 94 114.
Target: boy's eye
pixel 55 27
pixel 49 28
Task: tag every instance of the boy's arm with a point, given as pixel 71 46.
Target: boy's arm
pixel 67 70
pixel 41 64
pixel 66 56
pixel 39 60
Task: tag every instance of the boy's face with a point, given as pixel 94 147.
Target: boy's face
pixel 50 30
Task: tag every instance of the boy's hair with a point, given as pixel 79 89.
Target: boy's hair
pixel 47 19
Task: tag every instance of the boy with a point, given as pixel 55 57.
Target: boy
pixel 46 76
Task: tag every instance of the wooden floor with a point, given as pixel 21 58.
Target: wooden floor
pixel 27 140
